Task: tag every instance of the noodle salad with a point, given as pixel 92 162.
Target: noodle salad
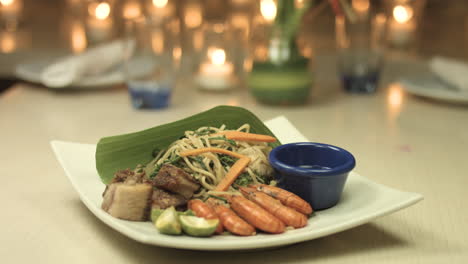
pixel 208 169
pixel 208 181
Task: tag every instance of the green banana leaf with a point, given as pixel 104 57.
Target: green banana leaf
pixel 126 151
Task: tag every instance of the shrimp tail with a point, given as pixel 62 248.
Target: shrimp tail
pixel 287 215
pixel 287 198
pixel 256 215
pixel 232 222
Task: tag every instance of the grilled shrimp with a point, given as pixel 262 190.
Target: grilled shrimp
pixel 233 222
pixel 287 215
pixel 287 198
pixel 255 215
pixel 203 210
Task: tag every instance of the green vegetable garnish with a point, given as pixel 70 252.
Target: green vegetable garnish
pixel 244 179
pixel 227 161
pixel 204 132
pixel 172 160
pixel 199 160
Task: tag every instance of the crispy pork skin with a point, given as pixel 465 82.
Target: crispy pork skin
pixel 175 180
pixel 130 177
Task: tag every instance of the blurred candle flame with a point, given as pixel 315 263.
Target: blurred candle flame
pixel 268 9
pixel 6 2
pixel 395 100
pixel 248 64
pixel 193 15
pixel 73 3
pixel 380 20
pixel 307 51
pixel 378 30
pixel 402 14
pixel 174 26
pixel 78 37
pixel 101 11
pixel 7 42
pixel 131 10
pixel 10 11
pixel 157 41
pixel 299 3
pixel 239 2
pixel 217 56
pixel 177 53
pixel 233 102
pixel 241 23
pixel 340 32
pixel 198 40
pixel 361 6
pixel 160 3
pixel 161 9
pixel 218 28
pixel 261 52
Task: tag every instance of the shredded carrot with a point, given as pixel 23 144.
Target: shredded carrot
pixel 199 151
pixel 232 174
pixel 243 136
pixel 236 169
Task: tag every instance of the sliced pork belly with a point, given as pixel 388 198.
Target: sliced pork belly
pixel 175 180
pixel 128 196
pixel 162 199
pixel 128 201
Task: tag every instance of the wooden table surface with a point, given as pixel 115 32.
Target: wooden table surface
pixel 399 140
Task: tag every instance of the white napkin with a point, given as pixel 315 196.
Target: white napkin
pixel 451 71
pixel 99 59
pixel 285 130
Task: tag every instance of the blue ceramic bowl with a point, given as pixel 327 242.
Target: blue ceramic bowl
pixel 316 172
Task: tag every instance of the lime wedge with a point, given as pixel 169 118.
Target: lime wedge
pixel 168 222
pixel 155 213
pixel 197 226
pixel 188 212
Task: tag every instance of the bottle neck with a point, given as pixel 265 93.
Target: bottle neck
pixel 281 49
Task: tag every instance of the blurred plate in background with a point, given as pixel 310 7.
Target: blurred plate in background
pixel 429 86
pixel 31 72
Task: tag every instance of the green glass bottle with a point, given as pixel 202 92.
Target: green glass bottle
pixel 283 78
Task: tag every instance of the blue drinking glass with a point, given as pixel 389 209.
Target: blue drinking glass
pixel 150 66
pixel 360 44
pixel 360 71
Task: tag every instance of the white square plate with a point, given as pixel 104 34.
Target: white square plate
pixel 361 202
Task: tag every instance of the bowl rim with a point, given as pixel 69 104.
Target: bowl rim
pixel 309 172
